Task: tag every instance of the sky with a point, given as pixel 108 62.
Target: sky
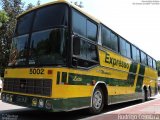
pixel 138 21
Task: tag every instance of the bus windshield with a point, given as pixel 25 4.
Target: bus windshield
pixel 40 37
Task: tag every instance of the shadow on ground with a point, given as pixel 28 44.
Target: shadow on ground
pixel 31 114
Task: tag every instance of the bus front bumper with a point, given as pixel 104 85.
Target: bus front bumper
pixel 47 104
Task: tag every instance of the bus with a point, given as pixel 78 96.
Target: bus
pixel 63 59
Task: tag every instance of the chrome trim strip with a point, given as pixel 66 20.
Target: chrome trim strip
pixel 77 108
pixel 124 101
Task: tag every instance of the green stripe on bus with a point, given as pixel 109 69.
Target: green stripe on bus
pixel 70 103
pixel 132 74
pixel 131 77
pixel 125 97
pixel 78 79
pixel 140 78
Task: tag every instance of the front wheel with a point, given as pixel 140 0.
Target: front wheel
pixel 97 101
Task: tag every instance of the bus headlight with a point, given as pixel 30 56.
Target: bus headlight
pixel 41 103
pixel 10 98
pixel 48 104
pixel 34 102
pixel 3 96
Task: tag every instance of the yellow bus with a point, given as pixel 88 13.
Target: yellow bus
pixel 63 59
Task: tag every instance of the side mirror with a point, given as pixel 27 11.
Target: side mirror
pixel 76 45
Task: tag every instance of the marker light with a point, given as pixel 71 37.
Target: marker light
pixel 41 103
pixel 7 97
pixel 48 104
pixel 34 102
pixel 3 96
pixel 50 72
pixel 11 98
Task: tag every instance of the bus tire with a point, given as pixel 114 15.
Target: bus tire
pixel 149 94
pixel 97 101
pixel 145 94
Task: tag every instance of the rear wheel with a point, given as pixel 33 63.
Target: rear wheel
pixel 97 101
pixel 145 95
pixel 149 94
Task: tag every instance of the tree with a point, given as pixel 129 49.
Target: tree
pixel 11 9
pixel 158 67
pixel 30 5
pixel 3 22
pixel 79 4
pixel 3 17
pixel 38 3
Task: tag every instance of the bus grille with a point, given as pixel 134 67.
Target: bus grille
pixel 30 86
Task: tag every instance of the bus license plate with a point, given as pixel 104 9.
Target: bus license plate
pixel 21 99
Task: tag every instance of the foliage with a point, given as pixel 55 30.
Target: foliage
pixel 3 17
pixel 158 67
pixel 38 2
pixel 10 10
pixel 79 4
pixel 30 5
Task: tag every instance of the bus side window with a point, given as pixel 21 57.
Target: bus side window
pixel 79 23
pixel 143 58
pixel 154 64
pixel 149 61
pixel 91 30
pixel 135 54
pixel 76 45
pixel 109 39
pixel 83 26
pixel 125 48
pixel 84 53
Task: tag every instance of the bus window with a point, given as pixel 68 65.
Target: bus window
pixel 125 48
pixel 59 12
pixel 149 61
pixel 109 39
pixel 86 54
pixel 106 37
pixel 154 64
pixel 114 42
pixel 91 30
pixel 83 26
pixel 128 49
pixel 135 54
pixel 78 23
pixel 24 24
pixel 143 58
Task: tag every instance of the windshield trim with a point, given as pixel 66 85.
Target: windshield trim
pixel 34 15
pixel 27 57
pixel 16 60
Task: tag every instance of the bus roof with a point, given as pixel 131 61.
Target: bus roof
pixel 80 10
pixel 62 1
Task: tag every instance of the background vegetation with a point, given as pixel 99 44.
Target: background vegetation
pixel 9 10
